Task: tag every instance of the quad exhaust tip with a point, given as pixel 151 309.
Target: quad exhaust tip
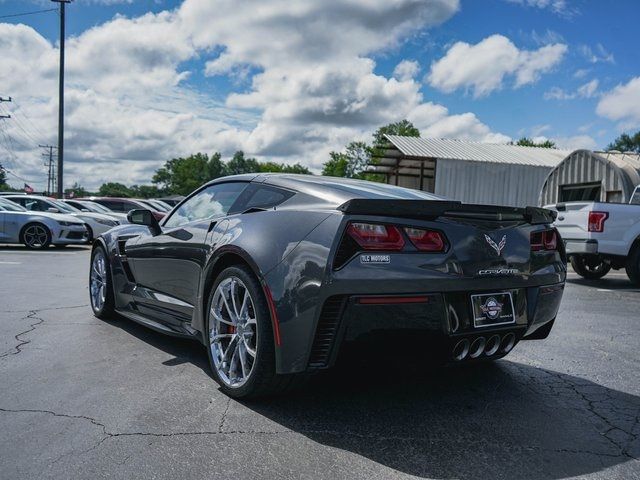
pixel 461 350
pixel 508 341
pixel 465 348
pixel 477 347
pixel 492 346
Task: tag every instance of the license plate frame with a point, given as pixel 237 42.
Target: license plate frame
pixel 492 309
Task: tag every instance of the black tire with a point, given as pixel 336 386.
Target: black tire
pixel 262 379
pixel 27 232
pixel 632 266
pixel 591 267
pixel 107 309
pixel 89 233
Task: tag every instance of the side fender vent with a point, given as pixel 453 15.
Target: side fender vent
pixel 324 339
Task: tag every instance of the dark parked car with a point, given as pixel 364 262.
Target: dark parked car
pixel 274 272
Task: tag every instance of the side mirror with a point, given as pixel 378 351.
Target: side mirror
pixel 144 217
pixel 53 210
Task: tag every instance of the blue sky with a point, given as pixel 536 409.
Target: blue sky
pixel 277 82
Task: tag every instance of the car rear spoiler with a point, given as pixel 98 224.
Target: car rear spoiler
pixel 431 209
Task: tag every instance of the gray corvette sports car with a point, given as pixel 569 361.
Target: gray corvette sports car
pixel 274 273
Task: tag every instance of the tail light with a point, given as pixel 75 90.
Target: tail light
pixel 373 236
pixel 426 240
pixel 544 240
pixel 596 221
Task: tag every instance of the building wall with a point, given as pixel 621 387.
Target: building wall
pixel 490 183
pixel 582 166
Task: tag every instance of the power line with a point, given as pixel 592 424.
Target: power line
pixel 23 112
pixel 27 135
pixel 28 13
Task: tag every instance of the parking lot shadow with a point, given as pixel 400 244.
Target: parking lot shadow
pixel 501 420
pixel 496 420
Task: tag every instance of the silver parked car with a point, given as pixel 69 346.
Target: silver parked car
pixel 38 230
pixel 97 223
pixel 89 206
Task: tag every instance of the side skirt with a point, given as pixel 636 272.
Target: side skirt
pixel 158 327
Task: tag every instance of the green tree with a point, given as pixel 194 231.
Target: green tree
pixel 145 191
pixel 283 168
pixel 77 190
pixel 183 175
pixel 336 166
pixel 239 164
pixel 527 142
pixel 626 143
pixel 351 163
pixel 217 168
pixel 403 128
pixel 3 179
pixel 114 189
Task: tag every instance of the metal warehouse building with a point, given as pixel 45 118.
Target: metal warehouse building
pixel 592 176
pixel 472 172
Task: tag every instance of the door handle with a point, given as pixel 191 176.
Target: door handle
pixel 560 218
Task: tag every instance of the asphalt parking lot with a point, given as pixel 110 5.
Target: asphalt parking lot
pixel 82 398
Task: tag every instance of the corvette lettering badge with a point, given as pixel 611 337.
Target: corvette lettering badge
pixel 497 247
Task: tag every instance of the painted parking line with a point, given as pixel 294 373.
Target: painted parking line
pixel 10 263
pixel 618 290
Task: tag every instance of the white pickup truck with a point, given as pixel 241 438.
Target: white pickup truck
pixel 601 236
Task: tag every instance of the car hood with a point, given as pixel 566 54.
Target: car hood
pixel 62 217
pixel 92 215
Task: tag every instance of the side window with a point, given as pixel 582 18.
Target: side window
pixel 213 201
pixel 267 197
pixel 112 205
pixel 35 205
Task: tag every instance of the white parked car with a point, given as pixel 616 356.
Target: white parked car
pixel 600 236
pixel 38 230
pixel 97 223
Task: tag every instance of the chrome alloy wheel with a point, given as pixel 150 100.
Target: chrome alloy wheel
pixel 233 333
pixel 98 281
pixel 36 236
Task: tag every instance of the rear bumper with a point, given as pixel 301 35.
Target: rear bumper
pixel 442 320
pixel 581 247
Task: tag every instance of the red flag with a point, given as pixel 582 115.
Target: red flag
pixel 28 188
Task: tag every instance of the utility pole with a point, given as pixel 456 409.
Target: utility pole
pixel 51 181
pixel 5 100
pixel 60 189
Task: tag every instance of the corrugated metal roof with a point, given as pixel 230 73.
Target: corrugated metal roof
pixel 621 159
pixel 477 152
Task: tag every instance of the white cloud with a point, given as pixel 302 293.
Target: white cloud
pixel 559 7
pixel 587 90
pixel 596 54
pixel 622 104
pixel 482 67
pixel 434 121
pixel 406 70
pixel 575 142
pixel 581 73
pixel 312 89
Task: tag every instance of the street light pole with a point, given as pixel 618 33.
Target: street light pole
pixel 60 192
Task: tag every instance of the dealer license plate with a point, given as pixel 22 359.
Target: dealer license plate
pixel 491 309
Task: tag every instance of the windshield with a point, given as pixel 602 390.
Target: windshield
pixel 95 207
pixel 64 207
pixel 9 206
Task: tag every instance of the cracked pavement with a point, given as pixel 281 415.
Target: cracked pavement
pixel 83 398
